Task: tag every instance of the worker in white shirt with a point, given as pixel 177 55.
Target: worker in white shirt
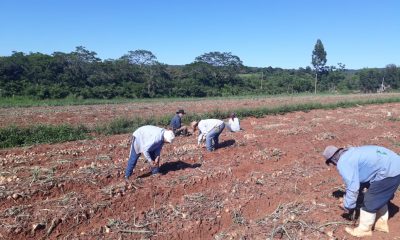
pixel 148 140
pixel 233 124
pixel 209 129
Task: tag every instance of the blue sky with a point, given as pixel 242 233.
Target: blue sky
pixel 280 33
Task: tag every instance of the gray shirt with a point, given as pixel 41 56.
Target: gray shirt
pixel 149 139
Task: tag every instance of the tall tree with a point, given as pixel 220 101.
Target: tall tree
pixel 148 63
pixel 318 60
pixel 140 57
pixel 218 59
pixel 223 65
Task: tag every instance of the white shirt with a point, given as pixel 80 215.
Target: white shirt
pixel 205 126
pixel 234 124
pixel 149 139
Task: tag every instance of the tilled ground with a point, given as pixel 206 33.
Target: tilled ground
pixel 266 182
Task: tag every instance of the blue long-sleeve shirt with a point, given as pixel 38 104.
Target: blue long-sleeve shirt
pixel 176 122
pixel 149 140
pixel 365 164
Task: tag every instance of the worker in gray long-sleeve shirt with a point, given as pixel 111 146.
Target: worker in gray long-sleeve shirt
pixel 376 165
pixel 148 140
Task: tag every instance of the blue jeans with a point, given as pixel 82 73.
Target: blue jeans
pixel 133 157
pixel 380 193
pixel 212 137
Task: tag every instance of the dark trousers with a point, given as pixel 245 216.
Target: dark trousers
pixel 133 157
pixel 380 193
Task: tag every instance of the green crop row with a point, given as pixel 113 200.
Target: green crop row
pixel 14 136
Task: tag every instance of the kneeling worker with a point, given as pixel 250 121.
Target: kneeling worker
pixel 148 140
pixel 376 165
pixel 176 123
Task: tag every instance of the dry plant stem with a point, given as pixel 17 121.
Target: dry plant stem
pixel 275 230
pixel 333 223
pixel 141 226
pixel 134 231
pixel 53 225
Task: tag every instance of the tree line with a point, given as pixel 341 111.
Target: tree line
pixel 138 74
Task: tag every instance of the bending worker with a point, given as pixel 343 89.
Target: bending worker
pixel 176 123
pixel 376 165
pixel 209 129
pixel 148 140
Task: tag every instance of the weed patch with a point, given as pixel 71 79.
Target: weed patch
pixel 21 136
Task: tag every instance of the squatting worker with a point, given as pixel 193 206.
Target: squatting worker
pixel 376 165
pixel 209 129
pixel 176 123
pixel 148 140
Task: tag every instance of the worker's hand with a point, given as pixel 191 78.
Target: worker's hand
pixel 341 206
pixel 156 162
pixel 349 214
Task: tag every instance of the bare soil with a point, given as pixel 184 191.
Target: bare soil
pixel 268 181
pixel 92 115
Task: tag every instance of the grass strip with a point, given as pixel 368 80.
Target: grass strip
pixel 123 125
pixel 19 136
pixel 14 136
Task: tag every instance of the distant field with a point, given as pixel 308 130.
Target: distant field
pixel 29 102
pixel 105 111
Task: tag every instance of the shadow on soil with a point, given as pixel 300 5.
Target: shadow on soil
pixel 393 209
pixel 226 143
pixel 172 166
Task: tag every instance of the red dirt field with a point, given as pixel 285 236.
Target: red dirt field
pixel 92 115
pixel 266 182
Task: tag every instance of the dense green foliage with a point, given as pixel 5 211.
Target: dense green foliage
pixel 138 74
pixel 21 136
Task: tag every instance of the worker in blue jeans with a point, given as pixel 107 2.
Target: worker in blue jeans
pixel 148 140
pixel 209 130
pixel 376 165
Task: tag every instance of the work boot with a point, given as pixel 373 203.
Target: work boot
pixel 364 227
pixel 382 219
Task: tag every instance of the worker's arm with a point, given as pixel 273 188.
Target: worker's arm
pixel 156 162
pixel 352 182
pixel 147 156
pixel 155 149
pixel 350 199
pixel 200 138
